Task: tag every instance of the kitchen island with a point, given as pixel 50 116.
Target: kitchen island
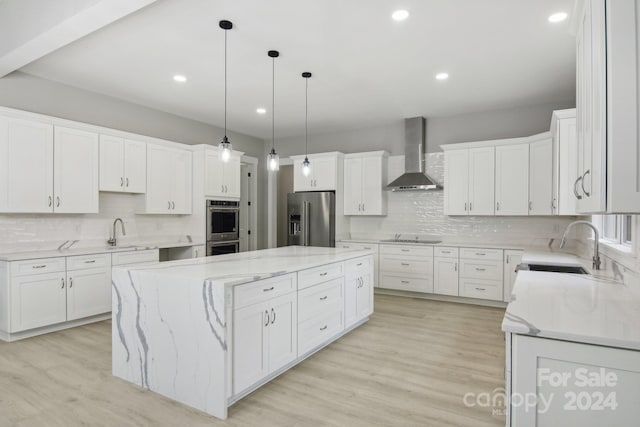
pixel 206 332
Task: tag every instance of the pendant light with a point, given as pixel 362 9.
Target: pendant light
pixel 306 165
pixel 273 160
pixel 225 145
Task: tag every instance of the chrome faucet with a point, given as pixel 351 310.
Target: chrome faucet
pixel 112 240
pixel 596 242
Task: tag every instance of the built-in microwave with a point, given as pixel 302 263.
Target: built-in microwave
pixel 223 218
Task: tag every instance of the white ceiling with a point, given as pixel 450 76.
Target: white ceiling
pixel 367 68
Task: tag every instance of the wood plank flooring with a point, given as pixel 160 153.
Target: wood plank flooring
pixel 410 365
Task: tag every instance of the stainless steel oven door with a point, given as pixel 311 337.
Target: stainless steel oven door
pixel 222 248
pixel 223 223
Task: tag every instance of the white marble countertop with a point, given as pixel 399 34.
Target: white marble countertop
pixel 245 267
pixel 552 258
pixel 446 243
pixel 21 254
pixel 574 307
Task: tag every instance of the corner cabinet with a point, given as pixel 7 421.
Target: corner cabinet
pixel 324 175
pixel 541 200
pixel 123 165
pixel 565 162
pixel 608 114
pixel 169 181
pixel 365 176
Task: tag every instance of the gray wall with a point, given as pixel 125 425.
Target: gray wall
pixel 25 92
pixel 497 124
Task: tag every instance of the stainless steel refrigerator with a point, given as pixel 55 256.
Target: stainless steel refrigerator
pixel 311 219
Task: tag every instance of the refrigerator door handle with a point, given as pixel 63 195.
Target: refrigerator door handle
pixel 306 225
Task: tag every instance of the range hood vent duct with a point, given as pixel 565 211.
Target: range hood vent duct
pixel 414 177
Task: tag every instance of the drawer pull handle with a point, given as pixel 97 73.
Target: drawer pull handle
pixel 406 282
pixel 481 269
pixel 268 289
pixel 405 250
pixel 323 328
pixel 358 264
pixel 39 266
pixel 323 298
pixel 446 252
pixel 480 289
pixel 367 247
pixel 324 274
pixel 480 253
pixel 90 261
pixel 405 264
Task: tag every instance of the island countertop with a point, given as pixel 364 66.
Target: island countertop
pixel 245 267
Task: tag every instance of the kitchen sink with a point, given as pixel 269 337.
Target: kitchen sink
pixel 424 242
pixel 555 268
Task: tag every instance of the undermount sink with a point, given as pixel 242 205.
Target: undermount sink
pixel 424 242
pixel 556 268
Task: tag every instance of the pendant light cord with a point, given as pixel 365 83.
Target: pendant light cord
pixel 273 104
pixel 306 116
pixel 225 84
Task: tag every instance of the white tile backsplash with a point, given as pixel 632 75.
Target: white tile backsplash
pixel 48 231
pixel 420 213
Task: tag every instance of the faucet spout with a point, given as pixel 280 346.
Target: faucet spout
pixel 596 241
pixel 113 241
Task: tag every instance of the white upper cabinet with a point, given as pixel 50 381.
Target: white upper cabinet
pixel 565 162
pixel 481 181
pixel 323 175
pixel 169 180
pixel 512 179
pixel 26 166
pixel 75 171
pixel 456 182
pixel 365 175
pixel 123 165
pixel 541 177
pixel 607 97
pixel 222 179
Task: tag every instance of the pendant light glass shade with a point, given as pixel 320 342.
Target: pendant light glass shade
pixel 273 160
pixel 306 164
pixel 225 147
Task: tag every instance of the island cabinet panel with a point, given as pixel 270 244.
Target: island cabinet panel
pixel 317 275
pixel 358 291
pixel 249 339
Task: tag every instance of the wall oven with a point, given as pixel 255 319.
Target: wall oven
pixel 223 227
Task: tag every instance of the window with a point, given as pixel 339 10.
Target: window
pixel 615 229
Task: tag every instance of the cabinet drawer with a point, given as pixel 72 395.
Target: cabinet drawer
pixel 445 252
pixel 323 298
pixel 407 250
pixel 364 263
pixel 489 270
pixel 319 329
pixel 484 289
pixel 313 276
pixel 410 266
pixel 359 246
pixel 402 283
pixel 255 292
pixel 37 266
pixel 135 257
pixel 479 253
pixel 83 262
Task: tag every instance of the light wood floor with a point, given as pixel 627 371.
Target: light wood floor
pixel 410 365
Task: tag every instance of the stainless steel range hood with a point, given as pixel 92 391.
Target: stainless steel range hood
pixel 414 177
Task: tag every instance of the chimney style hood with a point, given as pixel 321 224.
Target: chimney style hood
pixel 414 177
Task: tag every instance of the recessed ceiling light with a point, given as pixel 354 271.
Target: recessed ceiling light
pixel 400 15
pixel 261 110
pixel 180 78
pixel 442 76
pixel 558 17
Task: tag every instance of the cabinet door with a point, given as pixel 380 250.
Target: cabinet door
pixel 364 296
pixel 512 179
pixel 88 292
pixel 26 166
pixel 249 345
pixel 445 276
pixel 231 177
pixel 214 172
pixel 456 187
pixel 38 300
pixel 324 173
pixel 374 197
pixel 351 299
pixel 282 331
pixel 135 166
pixel 481 181
pixel 160 176
pixel 511 261
pixel 567 167
pixel 111 163
pixel 353 183
pixel 541 177
pixel 75 171
pixel 601 387
pixel 181 188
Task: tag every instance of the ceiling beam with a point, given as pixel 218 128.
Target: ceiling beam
pixel 32 30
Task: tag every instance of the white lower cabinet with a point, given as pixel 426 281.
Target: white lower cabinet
pixel 358 299
pixel 406 268
pixel 88 287
pixel 572 384
pixel 37 300
pixel 511 260
pixel 481 273
pixel 445 276
pixel 365 247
